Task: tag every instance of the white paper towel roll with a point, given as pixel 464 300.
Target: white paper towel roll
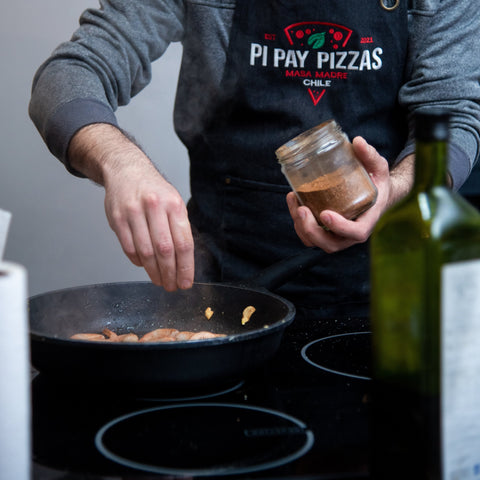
pixel 15 410
pixel 5 218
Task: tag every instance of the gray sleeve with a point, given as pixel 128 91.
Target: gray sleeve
pixel 445 72
pixel 106 62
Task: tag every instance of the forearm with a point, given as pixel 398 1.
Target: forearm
pixel 401 179
pixel 101 151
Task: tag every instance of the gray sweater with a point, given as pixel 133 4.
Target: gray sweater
pixel 108 61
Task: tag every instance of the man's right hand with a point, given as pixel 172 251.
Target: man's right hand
pixel 145 211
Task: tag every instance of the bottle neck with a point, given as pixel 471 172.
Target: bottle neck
pixel 430 164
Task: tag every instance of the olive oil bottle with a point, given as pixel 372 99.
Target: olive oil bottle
pixel 425 320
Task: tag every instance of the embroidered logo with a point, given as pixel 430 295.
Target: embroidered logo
pixel 318 55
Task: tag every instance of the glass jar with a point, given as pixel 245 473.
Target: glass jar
pixel 322 169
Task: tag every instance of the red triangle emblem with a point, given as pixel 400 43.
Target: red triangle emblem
pixel 315 95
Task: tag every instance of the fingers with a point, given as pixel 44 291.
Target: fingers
pixel 311 233
pixel 345 233
pixel 364 152
pixel 154 232
pixel 126 241
pixel 172 241
pixel 303 220
pixel 374 163
pixel 183 242
pixel 165 244
pixel 336 234
pixel 145 249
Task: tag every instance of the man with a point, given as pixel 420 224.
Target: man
pixel 255 74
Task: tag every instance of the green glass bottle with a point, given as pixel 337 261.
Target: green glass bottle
pixel 425 320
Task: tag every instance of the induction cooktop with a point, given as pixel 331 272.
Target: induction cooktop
pixel 302 416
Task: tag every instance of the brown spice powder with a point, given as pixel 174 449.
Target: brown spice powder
pixel 349 195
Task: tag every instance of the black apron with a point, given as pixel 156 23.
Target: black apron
pixel 293 64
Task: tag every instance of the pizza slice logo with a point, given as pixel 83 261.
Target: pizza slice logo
pixel 317 35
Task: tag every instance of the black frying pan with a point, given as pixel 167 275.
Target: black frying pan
pixel 140 307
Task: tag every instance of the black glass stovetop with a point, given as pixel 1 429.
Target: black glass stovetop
pixel 302 416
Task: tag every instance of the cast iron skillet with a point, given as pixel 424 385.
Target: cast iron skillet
pixel 140 307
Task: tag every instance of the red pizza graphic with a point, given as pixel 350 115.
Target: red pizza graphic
pixel 318 35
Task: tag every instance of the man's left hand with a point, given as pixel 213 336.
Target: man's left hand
pixel 340 233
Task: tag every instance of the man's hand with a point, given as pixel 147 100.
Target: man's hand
pixel 343 233
pixel 146 212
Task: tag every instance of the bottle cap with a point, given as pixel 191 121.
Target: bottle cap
pixel 432 126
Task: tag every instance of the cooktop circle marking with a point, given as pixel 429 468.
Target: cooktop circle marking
pixel 226 470
pixel 331 370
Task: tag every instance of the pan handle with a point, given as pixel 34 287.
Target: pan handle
pixel 280 272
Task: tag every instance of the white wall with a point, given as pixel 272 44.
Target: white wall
pixel 59 231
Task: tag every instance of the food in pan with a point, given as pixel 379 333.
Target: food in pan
pixel 159 334
pixel 174 335
pixel 126 337
pixel 92 337
pixel 247 313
